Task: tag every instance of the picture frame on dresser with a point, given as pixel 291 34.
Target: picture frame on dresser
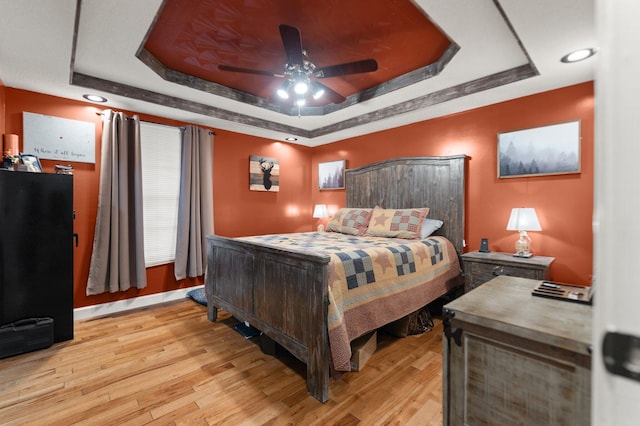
pixel 30 163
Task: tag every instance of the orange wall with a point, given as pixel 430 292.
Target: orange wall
pixel 238 211
pixel 2 132
pixel 564 203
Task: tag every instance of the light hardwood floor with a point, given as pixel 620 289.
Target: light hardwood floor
pixel 168 365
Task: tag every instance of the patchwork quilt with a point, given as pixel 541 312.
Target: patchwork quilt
pixel 373 280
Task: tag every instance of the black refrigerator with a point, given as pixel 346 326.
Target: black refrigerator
pixel 36 249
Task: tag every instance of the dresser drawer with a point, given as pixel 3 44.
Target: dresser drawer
pixel 482 267
pixel 485 271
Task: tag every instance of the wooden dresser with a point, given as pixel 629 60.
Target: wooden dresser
pixel 481 267
pixel 513 358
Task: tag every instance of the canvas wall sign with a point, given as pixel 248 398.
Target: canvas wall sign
pixel 56 138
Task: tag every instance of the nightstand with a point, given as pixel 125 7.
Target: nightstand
pixel 481 267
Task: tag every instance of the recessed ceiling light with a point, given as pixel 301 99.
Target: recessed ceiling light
pixel 94 98
pixel 578 55
pixel 290 139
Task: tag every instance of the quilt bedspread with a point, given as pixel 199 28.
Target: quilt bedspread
pixel 373 280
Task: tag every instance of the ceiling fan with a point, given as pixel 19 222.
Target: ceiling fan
pixel 301 75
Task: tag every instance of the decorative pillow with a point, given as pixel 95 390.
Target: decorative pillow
pixel 429 226
pixel 198 295
pixel 350 221
pixel 397 223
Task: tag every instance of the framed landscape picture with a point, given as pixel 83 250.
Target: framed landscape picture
pixel 331 174
pixel 547 150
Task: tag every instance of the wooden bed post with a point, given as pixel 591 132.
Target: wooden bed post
pixel 318 347
pixel 212 312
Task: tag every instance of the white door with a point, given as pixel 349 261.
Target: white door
pixel 616 224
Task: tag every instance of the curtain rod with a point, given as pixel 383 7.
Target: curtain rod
pixel 211 132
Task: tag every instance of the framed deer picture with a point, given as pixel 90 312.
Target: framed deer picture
pixel 264 174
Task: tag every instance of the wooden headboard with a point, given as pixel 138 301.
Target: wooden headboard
pixel 400 183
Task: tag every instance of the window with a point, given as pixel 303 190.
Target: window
pixel 160 152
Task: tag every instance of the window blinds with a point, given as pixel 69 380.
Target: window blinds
pixel 160 152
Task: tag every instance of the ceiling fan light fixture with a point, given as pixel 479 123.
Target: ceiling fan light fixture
pixel 283 90
pixel 300 73
pixel 301 87
pixel 318 94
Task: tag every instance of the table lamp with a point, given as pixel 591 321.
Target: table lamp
pixel 319 212
pixel 523 220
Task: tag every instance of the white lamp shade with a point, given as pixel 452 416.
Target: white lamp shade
pixel 320 211
pixel 523 219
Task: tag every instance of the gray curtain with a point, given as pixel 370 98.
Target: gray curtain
pixel 195 206
pixel 117 259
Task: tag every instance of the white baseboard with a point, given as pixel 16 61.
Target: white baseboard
pixel 124 305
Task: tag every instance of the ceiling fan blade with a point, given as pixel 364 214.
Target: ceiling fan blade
pixel 330 94
pixel 357 67
pixel 248 71
pixel 292 43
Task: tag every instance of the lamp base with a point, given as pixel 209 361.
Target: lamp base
pixel 526 255
pixel 523 246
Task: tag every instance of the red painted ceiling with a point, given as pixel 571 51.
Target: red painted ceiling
pixel 194 37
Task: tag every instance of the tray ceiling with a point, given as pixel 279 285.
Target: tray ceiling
pixel 194 39
pixel 160 57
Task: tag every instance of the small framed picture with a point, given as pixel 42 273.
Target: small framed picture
pixel 264 174
pixel 31 163
pixel 331 174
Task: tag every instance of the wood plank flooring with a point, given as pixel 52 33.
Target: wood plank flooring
pixel 168 365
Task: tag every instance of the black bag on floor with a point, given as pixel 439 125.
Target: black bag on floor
pixel 25 336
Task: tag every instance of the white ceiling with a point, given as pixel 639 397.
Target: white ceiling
pixel 36 53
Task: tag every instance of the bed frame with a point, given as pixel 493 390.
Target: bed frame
pixel 284 294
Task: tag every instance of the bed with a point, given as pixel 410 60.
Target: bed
pixel 283 288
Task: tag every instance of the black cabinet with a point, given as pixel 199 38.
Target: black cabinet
pixel 36 249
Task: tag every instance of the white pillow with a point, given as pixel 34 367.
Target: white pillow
pixel 429 226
